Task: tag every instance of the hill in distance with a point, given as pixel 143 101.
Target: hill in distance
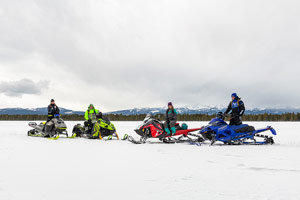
pixel 158 110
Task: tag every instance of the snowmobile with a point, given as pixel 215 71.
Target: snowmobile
pixel 219 130
pixel 154 128
pixel 57 127
pixel 103 128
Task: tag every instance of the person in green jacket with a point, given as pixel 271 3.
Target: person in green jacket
pixel 91 116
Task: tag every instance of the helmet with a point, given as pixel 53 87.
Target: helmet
pixel 220 115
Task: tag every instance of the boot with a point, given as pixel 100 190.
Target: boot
pixel 173 129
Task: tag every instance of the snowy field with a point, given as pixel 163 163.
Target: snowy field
pixel 43 169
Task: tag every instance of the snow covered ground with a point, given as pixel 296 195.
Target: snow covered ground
pixel 42 169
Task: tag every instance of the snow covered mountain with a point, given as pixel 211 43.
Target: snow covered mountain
pixel 204 110
pixel 35 111
pixel 158 110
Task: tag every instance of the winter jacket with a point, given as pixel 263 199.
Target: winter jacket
pixel 91 114
pixel 237 107
pixel 52 111
pixel 171 115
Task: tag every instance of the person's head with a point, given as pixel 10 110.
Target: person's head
pixel 91 107
pixel 234 96
pixel 52 101
pixel 170 105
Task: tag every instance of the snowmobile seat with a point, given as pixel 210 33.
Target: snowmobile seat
pixel 178 127
pixel 243 128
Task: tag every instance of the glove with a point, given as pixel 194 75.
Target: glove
pixel 90 121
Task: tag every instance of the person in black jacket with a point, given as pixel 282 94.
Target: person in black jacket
pixel 237 108
pixel 53 110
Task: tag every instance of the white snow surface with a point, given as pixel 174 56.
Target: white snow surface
pixel 43 169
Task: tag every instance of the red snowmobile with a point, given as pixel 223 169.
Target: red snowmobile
pixel 154 128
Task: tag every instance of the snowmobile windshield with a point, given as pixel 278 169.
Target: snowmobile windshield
pixel 217 121
pixel 146 122
pixel 147 118
pixel 105 119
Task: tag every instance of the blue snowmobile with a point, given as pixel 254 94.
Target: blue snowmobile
pixel 219 130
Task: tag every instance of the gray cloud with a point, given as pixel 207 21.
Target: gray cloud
pixel 21 87
pixel 145 53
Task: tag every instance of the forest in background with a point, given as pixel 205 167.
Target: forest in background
pixel 181 117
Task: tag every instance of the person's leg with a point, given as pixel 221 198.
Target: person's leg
pixel 172 126
pixel 166 125
pixel 235 121
pixel 48 128
pixel 238 120
pixel 231 122
pixel 95 131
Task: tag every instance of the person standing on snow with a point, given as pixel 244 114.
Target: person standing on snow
pixel 91 116
pixel 237 108
pixel 171 118
pixel 53 110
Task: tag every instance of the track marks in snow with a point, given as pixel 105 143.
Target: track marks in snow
pixel 272 169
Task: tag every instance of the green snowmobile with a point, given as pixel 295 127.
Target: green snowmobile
pixel 103 128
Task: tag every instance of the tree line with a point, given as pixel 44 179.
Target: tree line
pixel 140 117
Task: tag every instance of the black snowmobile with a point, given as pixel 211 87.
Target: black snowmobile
pixel 52 130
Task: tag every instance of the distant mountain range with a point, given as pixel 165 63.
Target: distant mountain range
pixel 204 110
pixel 35 111
pixel 159 110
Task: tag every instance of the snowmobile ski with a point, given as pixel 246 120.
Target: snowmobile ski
pixel 54 138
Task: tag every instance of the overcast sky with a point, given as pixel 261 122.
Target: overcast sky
pixel 122 54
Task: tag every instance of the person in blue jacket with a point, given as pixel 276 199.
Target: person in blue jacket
pixel 171 119
pixel 237 108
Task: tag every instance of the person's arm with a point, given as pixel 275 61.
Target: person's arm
pixel 167 117
pixel 175 115
pixel 86 115
pixel 57 110
pixel 50 110
pixel 242 108
pixel 228 108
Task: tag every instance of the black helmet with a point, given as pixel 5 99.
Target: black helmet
pixel 52 100
pixel 220 115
